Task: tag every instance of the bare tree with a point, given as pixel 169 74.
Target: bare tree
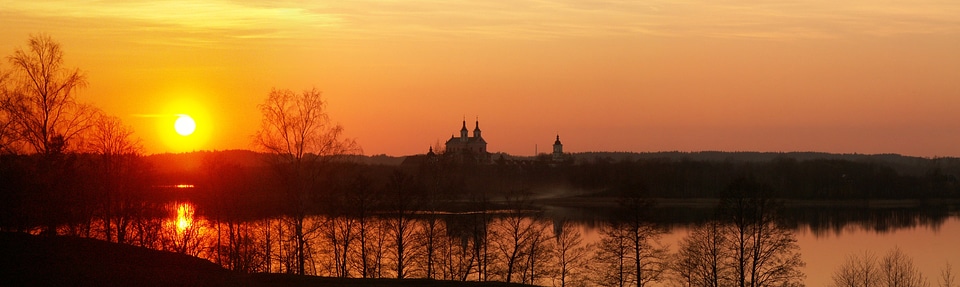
pixel 361 200
pixel 703 258
pixel 402 202
pixel 41 101
pixel 858 270
pixel 8 136
pixel 453 255
pixel 647 256
pixel 340 234
pixel 298 132
pixel 611 260
pixel 434 178
pixel 764 253
pixel 378 249
pixel 119 153
pixel 238 243
pixel 898 270
pixel 647 253
pixel 110 137
pixel 570 253
pixel 41 114
pixel 895 269
pixel 515 235
pixel 539 253
pixel 947 279
pixel 430 237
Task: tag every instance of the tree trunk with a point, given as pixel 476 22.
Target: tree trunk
pixel 301 245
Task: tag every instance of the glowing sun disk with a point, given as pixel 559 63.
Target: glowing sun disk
pixel 184 125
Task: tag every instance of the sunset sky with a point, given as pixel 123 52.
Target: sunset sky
pixel 730 75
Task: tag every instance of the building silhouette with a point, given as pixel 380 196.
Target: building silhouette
pixel 468 148
pixel 557 150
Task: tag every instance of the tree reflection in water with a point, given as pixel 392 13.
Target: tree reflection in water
pixel 183 233
pixel 461 250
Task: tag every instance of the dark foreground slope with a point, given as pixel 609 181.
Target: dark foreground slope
pixel 27 260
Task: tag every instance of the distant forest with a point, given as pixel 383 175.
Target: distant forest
pixel 793 175
pixel 243 178
pixel 666 175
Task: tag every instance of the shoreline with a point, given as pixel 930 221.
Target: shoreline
pixel 607 201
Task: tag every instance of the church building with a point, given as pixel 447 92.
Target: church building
pixel 468 146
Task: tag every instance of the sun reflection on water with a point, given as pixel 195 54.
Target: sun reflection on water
pixel 184 219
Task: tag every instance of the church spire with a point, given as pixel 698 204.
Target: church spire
pixel 463 131
pixel 557 150
pixel 476 129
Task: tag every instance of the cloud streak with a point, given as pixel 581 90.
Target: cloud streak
pixel 616 18
pixel 520 19
pixel 187 22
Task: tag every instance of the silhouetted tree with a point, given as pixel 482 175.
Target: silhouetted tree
pixel 454 258
pixel 340 235
pixel 8 136
pixel 430 237
pixel 238 239
pixel 611 262
pixel 299 134
pixel 436 184
pixel 647 253
pixel 897 270
pixel 378 248
pixel 41 111
pixel 402 199
pixel 571 255
pixel 764 252
pixel 41 97
pixel 360 201
pixel 539 257
pixel 521 240
pixel 703 257
pixel 947 279
pixel 858 270
pixel 120 173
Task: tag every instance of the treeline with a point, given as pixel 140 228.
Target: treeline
pixel 248 180
pixel 815 179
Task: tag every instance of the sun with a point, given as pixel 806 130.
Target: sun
pixel 184 125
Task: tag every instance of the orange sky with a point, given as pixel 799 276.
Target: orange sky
pixel 833 76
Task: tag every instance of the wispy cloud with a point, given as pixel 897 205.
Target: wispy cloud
pixel 182 17
pixel 674 18
pixel 437 19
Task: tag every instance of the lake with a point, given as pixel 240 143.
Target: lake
pixel 931 247
pixel 828 234
pixel 825 235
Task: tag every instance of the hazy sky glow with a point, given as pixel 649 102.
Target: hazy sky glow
pixel 833 76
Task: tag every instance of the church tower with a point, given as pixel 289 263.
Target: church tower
pixel 476 130
pixel 557 150
pixel 463 132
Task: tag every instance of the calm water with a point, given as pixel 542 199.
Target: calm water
pixel 930 238
pixel 930 246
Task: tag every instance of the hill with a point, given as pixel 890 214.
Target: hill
pixel 27 260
